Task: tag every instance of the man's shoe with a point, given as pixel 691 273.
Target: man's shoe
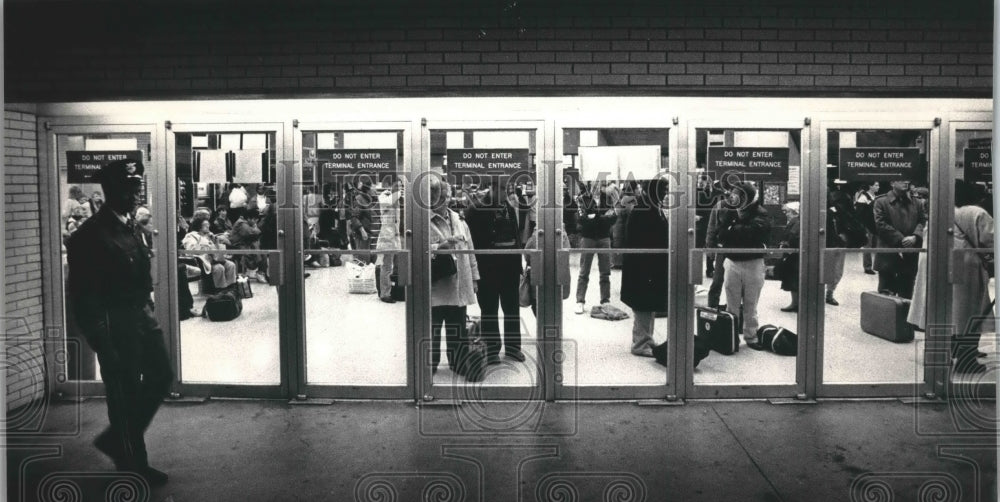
pixel 830 300
pixel 790 308
pixel 869 271
pixel 755 345
pixel 153 476
pixel 579 308
pixel 516 355
pixel 387 299
pixel 646 352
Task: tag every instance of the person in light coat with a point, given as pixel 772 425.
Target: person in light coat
pixel 450 295
pixel 970 296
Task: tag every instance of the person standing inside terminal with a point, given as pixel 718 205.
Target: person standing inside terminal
pixel 645 277
pixel 716 258
pixel 389 237
pixel 970 297
pixel 863 208
pixel 493 225
pixel 595 220
pixel 110 286
pixel 743 223
pixel 899 223
pixel 452 294
pixel 790 262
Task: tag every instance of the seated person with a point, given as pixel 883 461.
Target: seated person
pixel 220 222
pixel 200 238
pixel 246 235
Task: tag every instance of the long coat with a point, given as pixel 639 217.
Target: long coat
pixel 970 292
pixel 645 277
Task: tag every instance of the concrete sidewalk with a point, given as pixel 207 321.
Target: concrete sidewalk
pixel 383 451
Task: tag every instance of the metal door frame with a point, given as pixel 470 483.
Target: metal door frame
pixel 425 388
pixel 922 121
pixel 943 384
pixel 675 344
pixel 286 321
pixel 807 296
pixel 53 298
pixel 411 145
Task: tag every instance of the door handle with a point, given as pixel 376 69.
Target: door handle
pixel 281 233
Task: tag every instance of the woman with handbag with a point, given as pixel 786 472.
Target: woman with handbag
pixel 223 271
pixel 788 268
pixel 454 277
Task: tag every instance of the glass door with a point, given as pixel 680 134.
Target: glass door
pixel 745 233
pixel 228 237
pixel 75 154
pixel 972 357
pixel 478 210
pixel 876 229
pixel 355 226
pixel 615 200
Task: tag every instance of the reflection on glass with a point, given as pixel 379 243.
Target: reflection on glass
pixel 747 198
pixel 226 202
pixel 973 287
pixel 80 198
pixel 875 312
pixel 484 199
pixel 614 197
pixel 353 208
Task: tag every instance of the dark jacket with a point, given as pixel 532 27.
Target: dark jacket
pixel 493 227
pixel 594 223
pixel 896 218
pixel 243 235
pixel 645 277
pixel 790 262
pixel 108 276
pixel 749 228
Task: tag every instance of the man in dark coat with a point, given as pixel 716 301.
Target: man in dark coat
pixel 493 225
pixel 645 276
pixel 899 223
pixel 110 286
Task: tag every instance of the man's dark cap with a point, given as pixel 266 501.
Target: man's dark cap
pixel 121 172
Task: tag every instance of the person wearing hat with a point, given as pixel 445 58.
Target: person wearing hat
pixel 899 223
pixel 109 286
pixel 743 223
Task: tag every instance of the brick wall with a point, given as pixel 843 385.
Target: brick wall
pixel 23 273
pixel 100 50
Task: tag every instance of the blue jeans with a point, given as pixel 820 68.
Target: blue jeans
pixel 603 265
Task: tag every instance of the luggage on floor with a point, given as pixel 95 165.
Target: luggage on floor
pixel 222 307
pixel 361 278
pixel 471 354
pixel 718 329
pixel 243 289
pixel 778 340
pixel 885 316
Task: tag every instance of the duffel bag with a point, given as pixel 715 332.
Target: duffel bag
pixel 222 307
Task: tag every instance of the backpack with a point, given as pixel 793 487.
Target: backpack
pixel 221 307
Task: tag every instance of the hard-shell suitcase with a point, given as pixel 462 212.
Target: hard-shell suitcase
pixel 885 317
pixel 719 329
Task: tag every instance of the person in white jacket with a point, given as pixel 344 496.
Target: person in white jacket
pixel 389 237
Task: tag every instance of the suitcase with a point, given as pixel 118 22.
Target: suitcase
pixel 718 329
pixel 222 307
pixel 471 354
pixel 243 289
pixel 885 317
